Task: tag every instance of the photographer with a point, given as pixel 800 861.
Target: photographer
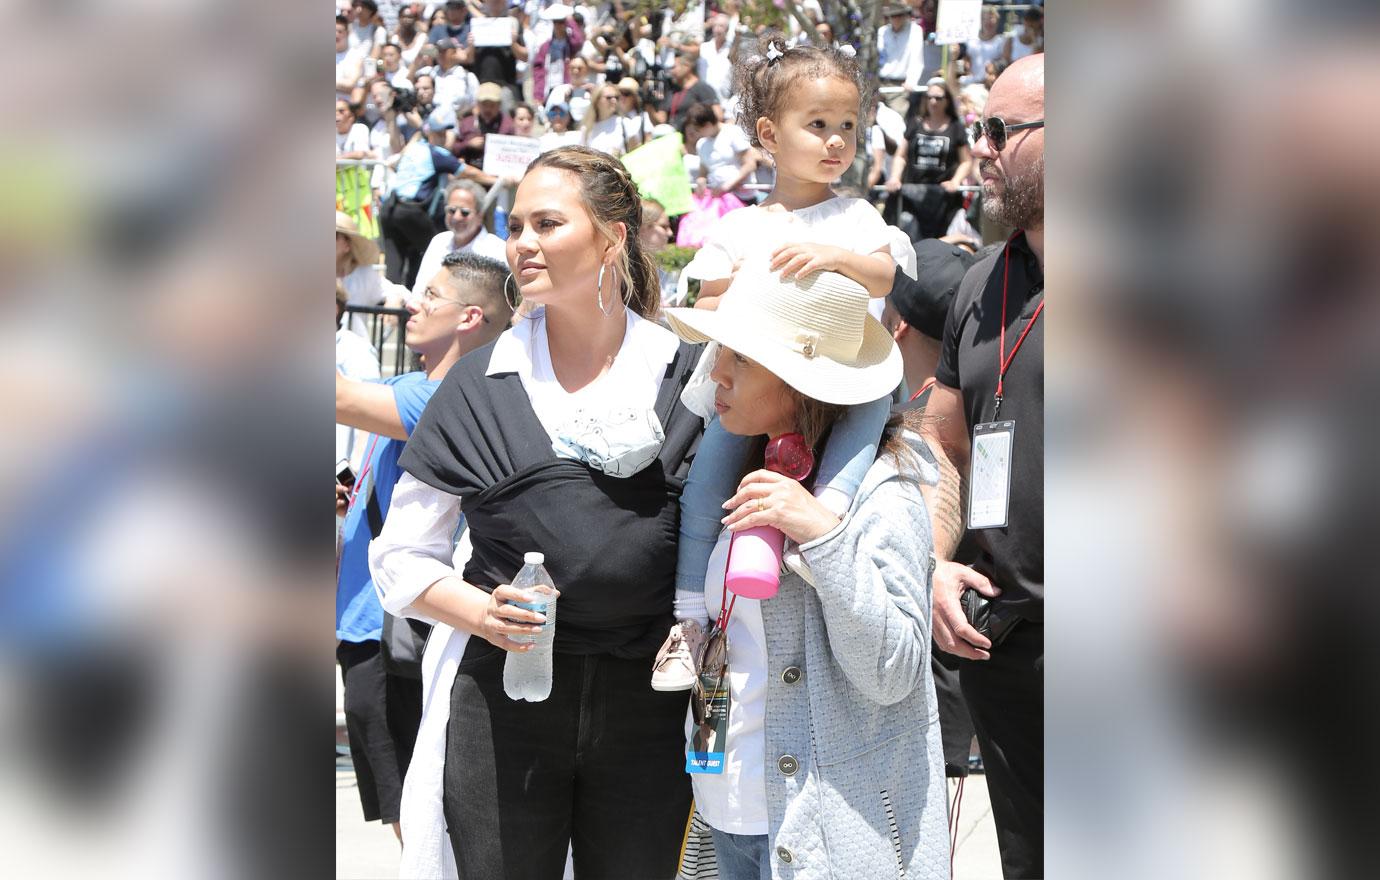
pixel 399 118
pixel 425 95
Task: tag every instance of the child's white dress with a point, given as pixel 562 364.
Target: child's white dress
pixel 852 224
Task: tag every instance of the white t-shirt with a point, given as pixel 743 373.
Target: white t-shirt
pixel 398 79
pixel 486 244
pixel 364 287
pixel 715 66
pixel 981 53
pixel 720 157
pixel 357 138
pixel 637 127
pixel 367 37
pixel 608 137
pixel 736 800
pixel 553 139
pixel 1018 49
pixel 456 88
pixel 347 62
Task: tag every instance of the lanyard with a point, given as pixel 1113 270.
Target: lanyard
pixel 368 466
pixel 1004 359
pixel 929 383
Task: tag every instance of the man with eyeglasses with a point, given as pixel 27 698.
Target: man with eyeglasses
pixel 988 403
pixel 465 233
pixel 461 308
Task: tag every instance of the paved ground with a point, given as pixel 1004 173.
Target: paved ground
pixel 368 851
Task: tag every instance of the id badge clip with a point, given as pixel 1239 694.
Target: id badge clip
pixel 989 482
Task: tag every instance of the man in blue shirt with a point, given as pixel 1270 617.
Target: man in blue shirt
pixel 462 308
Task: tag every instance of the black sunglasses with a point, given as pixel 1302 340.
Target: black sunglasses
pixel 464 212
pixel 996 130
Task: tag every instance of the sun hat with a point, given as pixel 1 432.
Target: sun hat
pixel 891 9
pixel 628 84
pixel 364 250
pixel 489 91
pixel 556 12
pixel 813 333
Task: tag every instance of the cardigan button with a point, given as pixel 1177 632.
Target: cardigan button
pixel 788 765
pixel 784 855
pixel 791 674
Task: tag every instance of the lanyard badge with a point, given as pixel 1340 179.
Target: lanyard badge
pixel 989 478
pixel 710 701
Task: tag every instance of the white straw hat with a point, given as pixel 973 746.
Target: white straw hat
pixel 364 250
pixel 813 333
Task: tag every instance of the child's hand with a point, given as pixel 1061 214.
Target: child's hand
pixel 799 260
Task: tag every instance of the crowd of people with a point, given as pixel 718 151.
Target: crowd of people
pixel 588 406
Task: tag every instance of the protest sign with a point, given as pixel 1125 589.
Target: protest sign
pixel 492 31
pixel 659 171
pixel 959 21
pixel 507 155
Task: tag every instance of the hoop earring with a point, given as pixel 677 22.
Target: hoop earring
pixel 512 305
pixel 600 289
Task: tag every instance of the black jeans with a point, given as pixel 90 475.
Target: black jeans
pixel 1006 699
pixel 406 229
pixel 600 764
pixel 382 713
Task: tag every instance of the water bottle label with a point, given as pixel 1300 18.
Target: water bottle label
pixel 539 607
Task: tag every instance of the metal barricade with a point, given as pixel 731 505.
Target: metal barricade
pixel 384 334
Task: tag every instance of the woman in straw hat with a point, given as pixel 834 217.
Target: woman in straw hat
pixel 833 764
pixel 355 259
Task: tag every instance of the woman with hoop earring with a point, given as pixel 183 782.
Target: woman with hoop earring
pixel 565 436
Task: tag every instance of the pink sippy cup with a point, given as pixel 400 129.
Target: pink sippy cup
pixel 754 555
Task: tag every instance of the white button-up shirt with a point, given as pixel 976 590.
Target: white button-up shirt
pixel 899 54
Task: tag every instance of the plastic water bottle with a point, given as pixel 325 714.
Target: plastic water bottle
pixel 500 220
pixel 754 555
pixel 527 674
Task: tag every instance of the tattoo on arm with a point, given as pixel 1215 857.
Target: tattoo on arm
pixel 946 513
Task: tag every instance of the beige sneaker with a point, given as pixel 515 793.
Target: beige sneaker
pixel 679 658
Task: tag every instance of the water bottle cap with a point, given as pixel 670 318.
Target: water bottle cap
pixel 534 558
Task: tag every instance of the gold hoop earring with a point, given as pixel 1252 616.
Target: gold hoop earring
pixel 607 311
pixel 512 305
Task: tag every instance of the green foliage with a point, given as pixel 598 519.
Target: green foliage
pixel 673 258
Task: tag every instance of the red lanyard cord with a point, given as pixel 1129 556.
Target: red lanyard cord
pixel 1004 359
pixel 359 480
pixel 929 383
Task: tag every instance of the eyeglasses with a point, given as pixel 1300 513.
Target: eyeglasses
pixel 996 130
pixel 464 212
pixel 431 301
pixel 608 97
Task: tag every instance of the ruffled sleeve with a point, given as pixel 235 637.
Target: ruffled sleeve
pixel 711 261
pixel 875 233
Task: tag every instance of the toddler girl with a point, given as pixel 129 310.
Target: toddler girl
pixel 802 107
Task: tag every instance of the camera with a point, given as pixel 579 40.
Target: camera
pixel 404 100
